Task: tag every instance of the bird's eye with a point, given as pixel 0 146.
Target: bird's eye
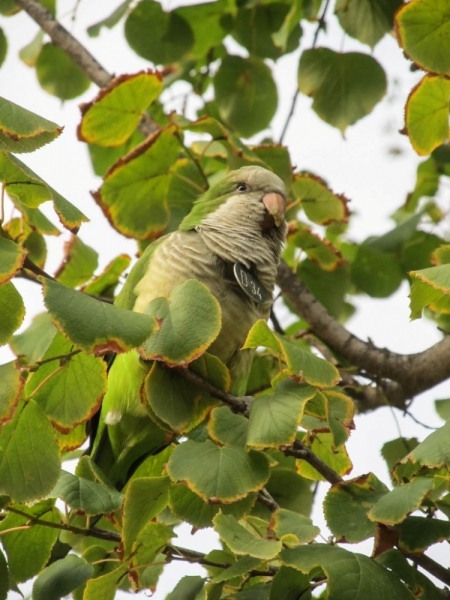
pixel 242 187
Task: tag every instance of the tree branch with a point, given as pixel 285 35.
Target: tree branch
pixel 77 52
pixel 407 374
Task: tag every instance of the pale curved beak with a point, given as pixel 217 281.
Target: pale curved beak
pixel 276 206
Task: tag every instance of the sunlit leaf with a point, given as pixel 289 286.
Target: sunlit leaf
pixel 79 263
pixel 429 285
pixel 318 201
pixel 423 28
pixel 426 114
pixel 111 118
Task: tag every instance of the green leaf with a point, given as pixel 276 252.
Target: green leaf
pixel 12 258
pixel 226 428
pixel 434 451
pixel 246 94
pixel 288 583
pixel 302 364
pixel 395 506
pixel 59 75
pixel 223 474
pixel 150 541
pixel 241 541
pixel 10 390
pixel 35 340
pixel 8 7
pixel 29 550
pixel 29 53
pixel 345 87
pixel 61 578
pixel 69 390
pixel 87 496
pixel 111 118
pixel 161 37
pixel 29 455
pixel 394 450
pixel 3 46
pixel 242 566
pixel 365 20
pixel 105 283
pixel 110 21
pixel 20 182
pixel 174 400
pixel 274 419
pixel 376 273
pixel 429 285
pixel 189 507
pixel 188 322
pixel 133 195
pixel 79 263
pixel 418 533
pixel 68 214
pixel 346 505
pixel 350 575
pixel 22 130
pixel 105 586
pixel 145 498
pixel 4 577
pixel 442 407
pixel 106 328
pixel 318 249
pixel 12 310
pixel 426 114
pixel 423 29
pixel 207 21
pixel 292 528
pixel 318 201
pixel 187 588
pixel 255 26
pixel 322 445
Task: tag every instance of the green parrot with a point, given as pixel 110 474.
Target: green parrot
pixel 231 241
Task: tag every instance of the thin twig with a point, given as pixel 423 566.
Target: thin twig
pixel 299 450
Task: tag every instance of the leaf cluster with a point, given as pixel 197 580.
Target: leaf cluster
pixel 248 472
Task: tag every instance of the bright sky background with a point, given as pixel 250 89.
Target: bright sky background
pixel 360 166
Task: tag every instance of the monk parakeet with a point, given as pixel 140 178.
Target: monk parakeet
pixel 231 242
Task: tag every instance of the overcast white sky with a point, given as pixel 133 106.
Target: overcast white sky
pixel 359 166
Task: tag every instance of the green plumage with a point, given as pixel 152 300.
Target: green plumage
pixel 229 224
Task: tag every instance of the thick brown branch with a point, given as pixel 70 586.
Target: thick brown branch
pixel 76 51
pixel 409 375
pixel 430 565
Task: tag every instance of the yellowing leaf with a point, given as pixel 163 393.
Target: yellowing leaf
pixel 426 114
pixel 318 201
pixel 111 118
pixel 429 285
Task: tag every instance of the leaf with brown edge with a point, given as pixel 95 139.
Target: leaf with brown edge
pixel 318 249
pixel 188 322
pixel 12 258
pixel 12 310
pixel 133 195
pixel 320 204
pixel 10 389
pixel 226 473
pixel 69 215
pixel 69 390
pixel 105 283
pixel 94 326
pixel 78 264
pixel 113 115
pixel 22 130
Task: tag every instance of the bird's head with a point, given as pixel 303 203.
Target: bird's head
pixel 251 199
